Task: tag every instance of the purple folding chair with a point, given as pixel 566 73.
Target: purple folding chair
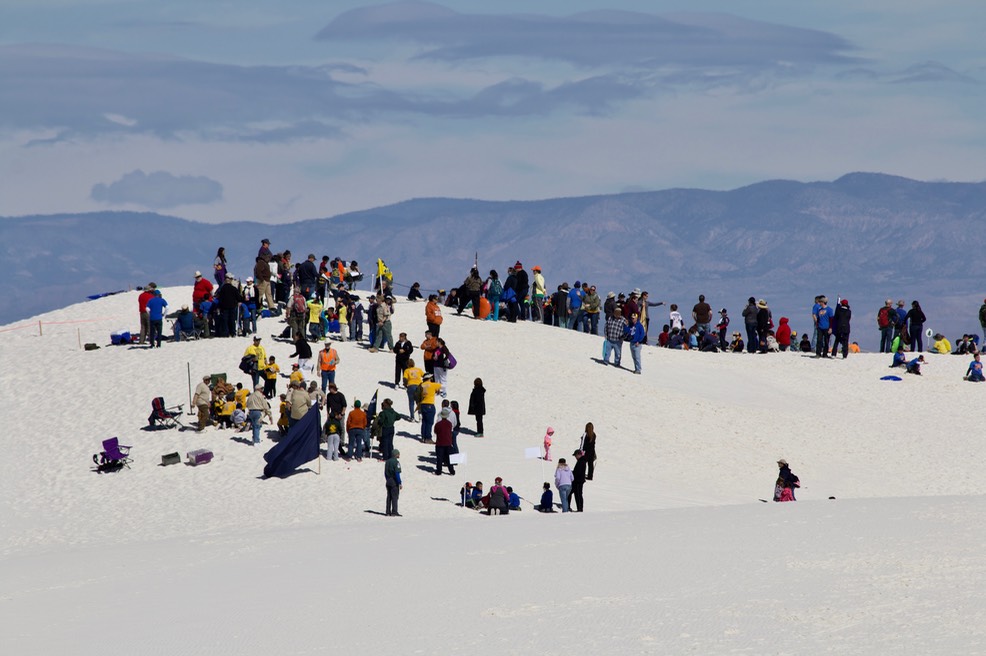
pixel 113 457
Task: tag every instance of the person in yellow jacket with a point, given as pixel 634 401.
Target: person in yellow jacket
pixel 328 360
pixel 429 389
pixel 412 380
pixel 260 359
pixel 270 375
pixel 343 322
pixel 942 345
pixel 296 375
pixel 315 319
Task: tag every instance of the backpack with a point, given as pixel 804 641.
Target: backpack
pixel 450 361
pixel 496 288
pixel 883 317
pixel 298 305
pixel 419 394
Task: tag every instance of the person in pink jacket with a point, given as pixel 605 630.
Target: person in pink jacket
pixel 547 442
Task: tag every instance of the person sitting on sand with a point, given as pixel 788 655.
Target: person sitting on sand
pixel 974 373
pixel 513 499
pixel 900 359
pixel 547 500
pixel 476 497
pixel 914 366
pixel 736 346
pixel 239 418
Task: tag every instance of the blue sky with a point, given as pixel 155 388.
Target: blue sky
pixel 278 111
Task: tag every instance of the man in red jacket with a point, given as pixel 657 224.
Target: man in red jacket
pixel 145 319
pixel 202 289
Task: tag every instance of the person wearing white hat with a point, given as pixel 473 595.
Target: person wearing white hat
pixel 202 289
pixel 249 307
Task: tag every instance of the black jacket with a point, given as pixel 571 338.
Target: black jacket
pixel 228 297
pixel 840 322
pixel 578 472
pixel 302 349
pixel 523 285
pixel 477 401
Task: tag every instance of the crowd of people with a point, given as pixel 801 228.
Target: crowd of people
pixel 319 303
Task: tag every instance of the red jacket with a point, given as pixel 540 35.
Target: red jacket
pixel 443 433
pixel 783 333
pixel 145 296
pixel 202 289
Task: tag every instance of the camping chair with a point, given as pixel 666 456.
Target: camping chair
pixel 168 417
pixel 113 457
pixel 183 335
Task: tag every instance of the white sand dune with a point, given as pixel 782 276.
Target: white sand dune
pixel 674 554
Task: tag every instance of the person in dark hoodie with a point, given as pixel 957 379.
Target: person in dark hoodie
pixel 477 404
pixel 764 323
pixel 578 480
pixel 228 298
pixel 750 320
pixel 783 334
pixel 840 328
pixel 523 285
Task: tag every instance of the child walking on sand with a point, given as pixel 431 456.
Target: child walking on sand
pixel 547 442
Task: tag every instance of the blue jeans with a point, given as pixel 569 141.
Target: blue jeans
pixel 256 418
pixel 886 339
pixel 593 318
pixel 635 354
pixel 563 492
pixel 412 390
pixel 328 377
pixel 752 339
pixel 357 443
pixel 617 349
pixel 427 419
pixel 575 319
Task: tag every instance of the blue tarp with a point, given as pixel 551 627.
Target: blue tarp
pixel 296 448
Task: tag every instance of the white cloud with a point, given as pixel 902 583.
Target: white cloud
pixel 158 190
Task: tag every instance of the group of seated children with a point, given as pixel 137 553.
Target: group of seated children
pixel 910 366
pixel 500 499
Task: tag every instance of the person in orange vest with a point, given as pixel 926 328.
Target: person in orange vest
pixel 328 360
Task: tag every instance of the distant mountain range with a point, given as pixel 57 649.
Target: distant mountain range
pixel 866 236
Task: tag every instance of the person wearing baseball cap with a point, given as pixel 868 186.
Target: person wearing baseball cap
pixel 258 358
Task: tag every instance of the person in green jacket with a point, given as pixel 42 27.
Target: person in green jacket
pixel 385 421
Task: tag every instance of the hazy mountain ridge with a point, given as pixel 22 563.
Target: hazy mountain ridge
pixel 870 234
